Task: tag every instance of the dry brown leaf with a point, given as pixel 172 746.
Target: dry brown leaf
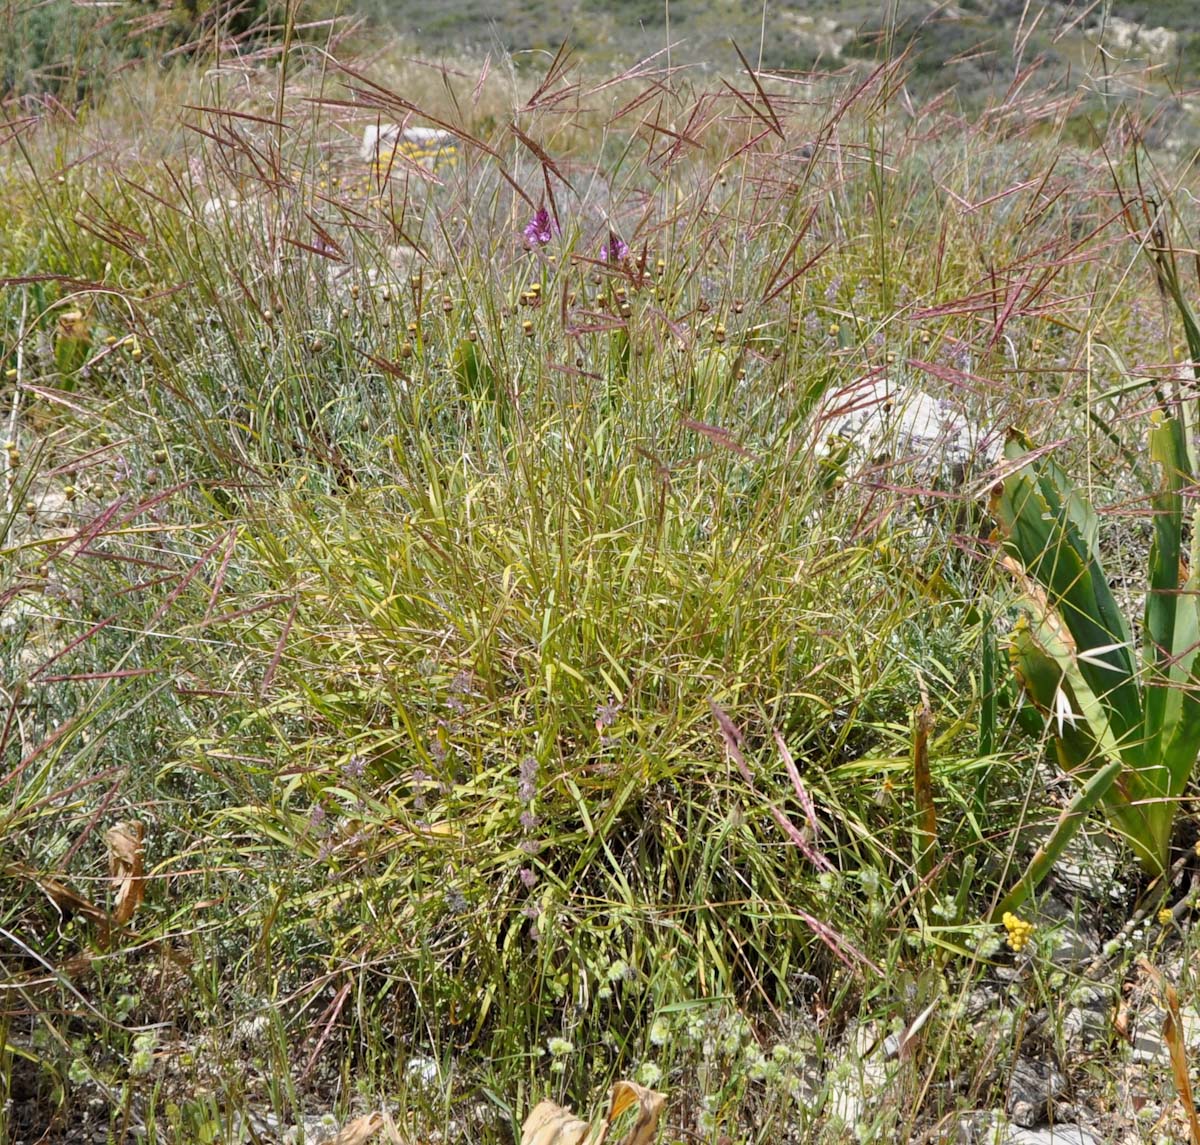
pixel 1046 613
pixel 551 1124
pixel 125 866
pixel 650 1106
pixel 360 1130
pixel 1123 1021
pixel 1172 1034
pixel 65 900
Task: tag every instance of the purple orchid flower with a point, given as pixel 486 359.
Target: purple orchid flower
pixel 541 228
pixel 615 249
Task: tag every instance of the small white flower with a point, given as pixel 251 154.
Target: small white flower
pixel 659 1032
pixel 617 971
pixel 559 1047
pixel 141 1063
pixel 649 1074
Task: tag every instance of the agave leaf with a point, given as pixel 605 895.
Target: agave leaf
pixel 1048 668
pixel 1052 532
pixel 1067 524
pixel 1048 673
pixel 1172 622
pixel 1046 680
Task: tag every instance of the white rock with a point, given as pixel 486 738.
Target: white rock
pixel 880 418
pixel 427 143
pixel 1088 867
pixel 1033 1086
pixel 313 1130
pixel 423 1071
pixel 1051 1135
pixel 858 1077
pixel 215 208
pixel 1085 1024
pixel 1148 1042
pixel 1129 35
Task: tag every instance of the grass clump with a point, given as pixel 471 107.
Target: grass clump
pixel 516 686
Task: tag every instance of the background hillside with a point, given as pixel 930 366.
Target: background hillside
pixel 976 46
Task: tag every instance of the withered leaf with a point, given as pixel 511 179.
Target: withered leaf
pixel 360 1130
pixel 125 866
pixel 551 1124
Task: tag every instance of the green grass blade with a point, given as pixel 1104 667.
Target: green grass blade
pixel 1069 822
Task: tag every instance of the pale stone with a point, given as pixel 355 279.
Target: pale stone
pixel 1051 1135
pixel 878 418
pixel 379 139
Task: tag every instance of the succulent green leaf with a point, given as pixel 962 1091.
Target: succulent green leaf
pixel 1051 680
pixel 1172 624
pixel 1048 688
pixel 1052 532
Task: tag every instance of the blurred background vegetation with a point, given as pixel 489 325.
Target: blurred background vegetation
pixel 976 47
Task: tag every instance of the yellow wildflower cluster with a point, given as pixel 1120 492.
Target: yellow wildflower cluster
pixel 434 156
pixel 1019 931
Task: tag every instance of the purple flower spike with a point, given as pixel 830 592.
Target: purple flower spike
pixel 615 249
pixel 541 228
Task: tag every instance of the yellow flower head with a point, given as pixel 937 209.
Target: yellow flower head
pixel 1019 931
